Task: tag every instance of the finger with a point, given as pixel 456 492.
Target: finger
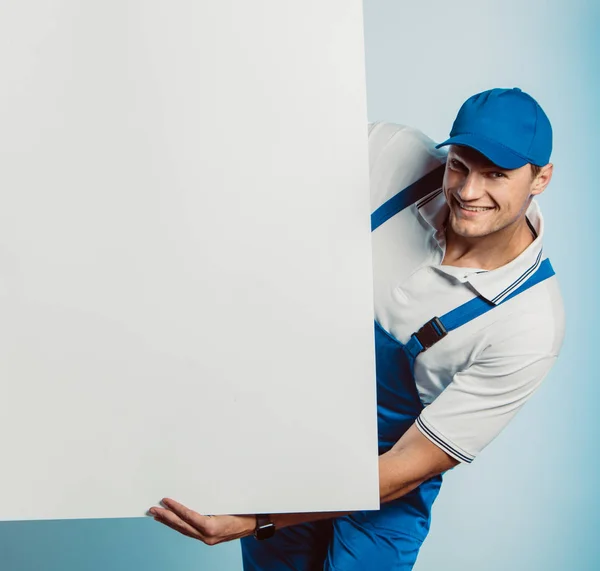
pixel 175 528
pixel 172 520
pixel 197 521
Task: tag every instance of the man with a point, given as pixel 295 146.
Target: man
pixel 468 321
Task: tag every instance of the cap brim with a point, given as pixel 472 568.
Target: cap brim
pixel 498 154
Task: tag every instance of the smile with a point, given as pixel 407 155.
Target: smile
pixel 473 208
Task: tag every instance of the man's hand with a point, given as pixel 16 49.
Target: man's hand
pixel 208 529
pixel 411 461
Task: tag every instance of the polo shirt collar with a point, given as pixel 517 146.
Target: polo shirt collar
pixel 493 285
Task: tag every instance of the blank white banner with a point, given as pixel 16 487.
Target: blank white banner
pixel 185 263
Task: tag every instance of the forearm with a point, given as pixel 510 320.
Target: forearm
pixel 411 461
pixel 284 520
pixel 392 484
pixel 390 488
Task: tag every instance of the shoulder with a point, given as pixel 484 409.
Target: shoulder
pixel 399 155
pixel 402 141
pixel 533 322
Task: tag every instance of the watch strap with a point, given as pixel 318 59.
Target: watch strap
pixel 265 528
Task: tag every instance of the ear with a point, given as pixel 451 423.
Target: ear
pixel 541 181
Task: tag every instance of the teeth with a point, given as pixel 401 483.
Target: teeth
pixel 474 208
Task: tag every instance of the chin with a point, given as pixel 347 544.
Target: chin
pixel 470 230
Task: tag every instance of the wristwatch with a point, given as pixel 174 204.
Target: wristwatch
pixel 265 528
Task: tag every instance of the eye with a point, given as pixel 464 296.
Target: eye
pixel 456 165
pixel 497 174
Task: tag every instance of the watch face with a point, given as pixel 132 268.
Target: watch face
pixel 265 531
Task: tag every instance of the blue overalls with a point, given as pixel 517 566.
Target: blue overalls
pixel 387 539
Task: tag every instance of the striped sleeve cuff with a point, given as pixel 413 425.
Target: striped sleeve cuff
pixel 451 449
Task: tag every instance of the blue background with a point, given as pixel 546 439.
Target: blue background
pixel 529 502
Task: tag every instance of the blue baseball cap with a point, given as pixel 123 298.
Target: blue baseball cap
pixel 507 126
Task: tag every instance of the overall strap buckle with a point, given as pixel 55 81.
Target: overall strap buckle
pixel 431 333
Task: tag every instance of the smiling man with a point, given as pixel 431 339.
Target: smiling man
pixel 468 321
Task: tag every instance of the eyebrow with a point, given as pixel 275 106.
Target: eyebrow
pixel 489 166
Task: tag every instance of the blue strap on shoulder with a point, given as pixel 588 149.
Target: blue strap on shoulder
pixel 438 327
pixel 408 196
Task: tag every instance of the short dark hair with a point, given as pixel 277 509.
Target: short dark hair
pixel 535 170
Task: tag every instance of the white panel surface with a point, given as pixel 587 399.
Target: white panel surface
pixel 185 265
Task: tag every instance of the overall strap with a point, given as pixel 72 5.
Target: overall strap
pixel 408 196
pixel 438 327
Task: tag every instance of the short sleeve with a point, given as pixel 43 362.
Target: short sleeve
pixel 481 400
pixel 398 156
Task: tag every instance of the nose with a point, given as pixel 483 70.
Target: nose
pixel 471 188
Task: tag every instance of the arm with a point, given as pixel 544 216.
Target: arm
pixel 466 416
pixel 411 461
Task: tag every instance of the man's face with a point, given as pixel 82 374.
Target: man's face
pixel 482 197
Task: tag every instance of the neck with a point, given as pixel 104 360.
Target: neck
pixel 487 252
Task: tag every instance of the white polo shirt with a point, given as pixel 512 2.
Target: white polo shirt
pixel 473 381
